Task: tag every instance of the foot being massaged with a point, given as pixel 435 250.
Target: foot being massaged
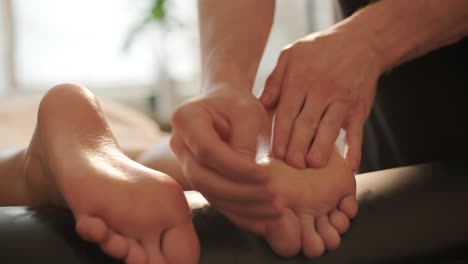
pixel 139 213
pixel 269 165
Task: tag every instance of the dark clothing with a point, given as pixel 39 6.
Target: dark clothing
pixel 420 109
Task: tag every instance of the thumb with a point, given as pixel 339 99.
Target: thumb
pixel 245 131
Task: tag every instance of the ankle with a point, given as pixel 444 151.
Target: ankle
pixel 37 178
pixel 13 190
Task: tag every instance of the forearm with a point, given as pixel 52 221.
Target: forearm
pixel 12 181
pixel 401 30
pixel 233 35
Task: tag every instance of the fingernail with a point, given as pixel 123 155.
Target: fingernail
pixel 315 159
pixel 277 205
pixel 355 165
pixel 261 175
pixel 280 152
pixel 298 159
pixel 265 98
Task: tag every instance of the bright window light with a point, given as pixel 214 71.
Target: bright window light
pixel 82 41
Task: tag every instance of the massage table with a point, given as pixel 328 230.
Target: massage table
pixel 413 214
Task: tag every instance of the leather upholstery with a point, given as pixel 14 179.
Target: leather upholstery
pixel 407 215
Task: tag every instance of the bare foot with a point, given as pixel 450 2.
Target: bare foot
pixel 317 207
pixel 133 213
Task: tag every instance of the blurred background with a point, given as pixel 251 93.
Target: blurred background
pixel 141 53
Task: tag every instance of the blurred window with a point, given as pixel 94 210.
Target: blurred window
pixel 53 41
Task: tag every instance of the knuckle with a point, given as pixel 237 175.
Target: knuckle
pixel 285 52
pixel 305 129
pixel 361 112
pixel 249 108
pixel 307 120
pixel 272 80
pixel 201 151
pixel 355 134
pixel 284 113
pixel 195 182
pixel 179 116
pixel 174 144
pixel 330 123
pixel 173 189
pixel 300 72
pixel 192 174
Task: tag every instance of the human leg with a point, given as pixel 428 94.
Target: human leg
pixel 132 212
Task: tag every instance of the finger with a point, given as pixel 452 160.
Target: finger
pixel 177 145
pixel 271 92
pixel 289 107
pixel 209 149
pixel 246 125
pixel 353 140
pixel 304 130
pixel 208 182
pixel 327 133
pixel 256 210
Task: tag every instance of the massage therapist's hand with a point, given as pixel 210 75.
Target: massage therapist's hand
pixel 322 83
pixel 215 141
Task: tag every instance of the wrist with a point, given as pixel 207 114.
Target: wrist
pixel 400 30
pixel 237 86
pixel 377 29
pixel 227 77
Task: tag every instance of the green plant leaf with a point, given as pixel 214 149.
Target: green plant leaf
pixel 158 11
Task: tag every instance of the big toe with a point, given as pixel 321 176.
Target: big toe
pixel 284 235
pixel 92 229
pixel 180 244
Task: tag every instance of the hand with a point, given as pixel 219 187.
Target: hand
pixel 322 83
pixel 215 140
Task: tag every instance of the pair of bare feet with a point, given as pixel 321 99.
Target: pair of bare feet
pixel 140 215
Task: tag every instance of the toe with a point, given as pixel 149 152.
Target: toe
pixel 115 245
pixel 259 210
pixel 328 233
pixel 180 244
pixel 349 206
pixel 92 229
pixel 312 244
pixel 136 254
pixel 284 235
pixel 339 220
pixel 152 248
